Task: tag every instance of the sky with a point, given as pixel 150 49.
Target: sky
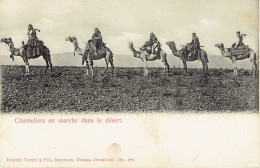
pixel 122 21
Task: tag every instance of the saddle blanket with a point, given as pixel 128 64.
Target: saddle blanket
pixel 241 50
pixel 32 51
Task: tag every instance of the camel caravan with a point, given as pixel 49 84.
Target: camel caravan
pixel 96 49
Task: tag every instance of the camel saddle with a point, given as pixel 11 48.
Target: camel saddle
pixel 100 50
pixel 148 48
pixel 190 53
pixel 34 50
pixel 240 50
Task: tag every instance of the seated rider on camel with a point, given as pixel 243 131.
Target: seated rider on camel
pixel 148 46
pixel 32 38
pixel 194 45
pixel 97 39
pixel 240 39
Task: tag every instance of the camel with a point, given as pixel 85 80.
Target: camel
pixel 145 57
pixel 182 54
pixel 22 53
pixel 252 55
pixel 89 57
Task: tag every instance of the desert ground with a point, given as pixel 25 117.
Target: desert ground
pixel 69 89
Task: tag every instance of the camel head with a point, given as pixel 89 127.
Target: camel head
pixel 71 38
pixel 6 40
pixel 131 46
pixel 220 46
pixel 172 46
pixel 224 53
pixel 131 43
pixel 170 43
pixel 135 53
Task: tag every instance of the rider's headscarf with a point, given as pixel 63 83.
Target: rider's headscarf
pixel 97 30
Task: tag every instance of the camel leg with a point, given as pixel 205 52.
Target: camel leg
pixel 112 65
pixel 47 66
pixel 50 65
pixel 87 66
pixel 235 67
pixel 146 68
pixel 47 59
pixel 204 60
pixel 90 61
pixel 144 71
pixel 87 71
pixel 27 69
pixel 255 69
pixel 91 68
pixel 166 65
pixel 205 67
pixel 106 66
pixel 185 67
pixel 110 60
pixel 254 64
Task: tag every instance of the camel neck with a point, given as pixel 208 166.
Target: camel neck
pixel 76 45
pixel 224 53
pixel 11 46
pixel 174 50
pixel 133 49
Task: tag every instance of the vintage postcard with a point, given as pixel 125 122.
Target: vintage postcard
pixel 129 83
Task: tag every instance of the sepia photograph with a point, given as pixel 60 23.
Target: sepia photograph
pixel 120 64
pixel 140 56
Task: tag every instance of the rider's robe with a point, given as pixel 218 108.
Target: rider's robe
pixel 97 39
pixel 148 45
pixel 195 45
pixel 240 40
pixel 32 41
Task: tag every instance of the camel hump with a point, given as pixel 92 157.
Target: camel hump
pixel 240 50
pixel 194 55
pixel 38 49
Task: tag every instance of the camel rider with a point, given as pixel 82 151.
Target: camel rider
pixel 154 39
pixel 240 39
pixel 195 45
pixel 97 39
pixel 32 37
pixel 148 46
